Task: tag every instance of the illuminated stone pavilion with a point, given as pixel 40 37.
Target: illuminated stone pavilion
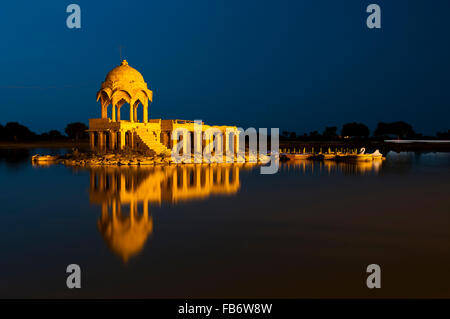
pixel 125 85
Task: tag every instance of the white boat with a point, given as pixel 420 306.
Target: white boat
pixel 44 158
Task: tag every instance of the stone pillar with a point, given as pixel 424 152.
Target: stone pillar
pixel 165 139
pixel 113 116
pixel 230 147
pixel 226 137
pixel 135 114
pixel 236 144
pixel 112 140
pixel 131 140
pixel 219 151
pixel 101 140
pixel 92 140
pixel 131 113
pixel 203 141
pixel 122 140
pixel 173 139
pixel 145 119
pixel 104 111
pixel 198 149
pixel 118 114
pixel 211 145
pixel 186 149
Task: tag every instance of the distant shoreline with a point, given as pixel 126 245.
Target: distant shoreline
pixel 383 146
pixel 417 141
pixel 405 146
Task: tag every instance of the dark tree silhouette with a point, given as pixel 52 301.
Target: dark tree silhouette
pixel 399 129
pixel 14 131
pixel 330 133
pixel 314 135
pixel 54 134
pixel 445 135
pixel 355 130
pixel 286 135
pixel 76 130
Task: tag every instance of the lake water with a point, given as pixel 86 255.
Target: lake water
pixel 226 231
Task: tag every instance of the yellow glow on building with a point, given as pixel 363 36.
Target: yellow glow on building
pixel 125 84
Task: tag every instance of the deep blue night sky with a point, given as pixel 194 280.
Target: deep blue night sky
pixel 298 65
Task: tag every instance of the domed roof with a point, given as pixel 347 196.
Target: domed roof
pixel 124 84
pixel 124 72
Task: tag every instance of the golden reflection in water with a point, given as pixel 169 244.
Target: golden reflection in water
pixel 125 193
pixel 331 167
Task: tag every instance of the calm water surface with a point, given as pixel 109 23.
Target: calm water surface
pixel 226 231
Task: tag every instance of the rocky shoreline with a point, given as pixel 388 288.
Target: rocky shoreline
pixel 115 160
pixel 112 159
pixel 107 159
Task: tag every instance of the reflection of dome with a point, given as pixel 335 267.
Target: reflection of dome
pixel 125 236
pixel 124 84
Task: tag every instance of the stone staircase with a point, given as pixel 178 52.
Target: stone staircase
pixel 149 140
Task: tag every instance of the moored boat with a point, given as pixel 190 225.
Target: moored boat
pixel 352 155
pixel 300 156
pixel 44 158
pixel 377 155
pixel 361 156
